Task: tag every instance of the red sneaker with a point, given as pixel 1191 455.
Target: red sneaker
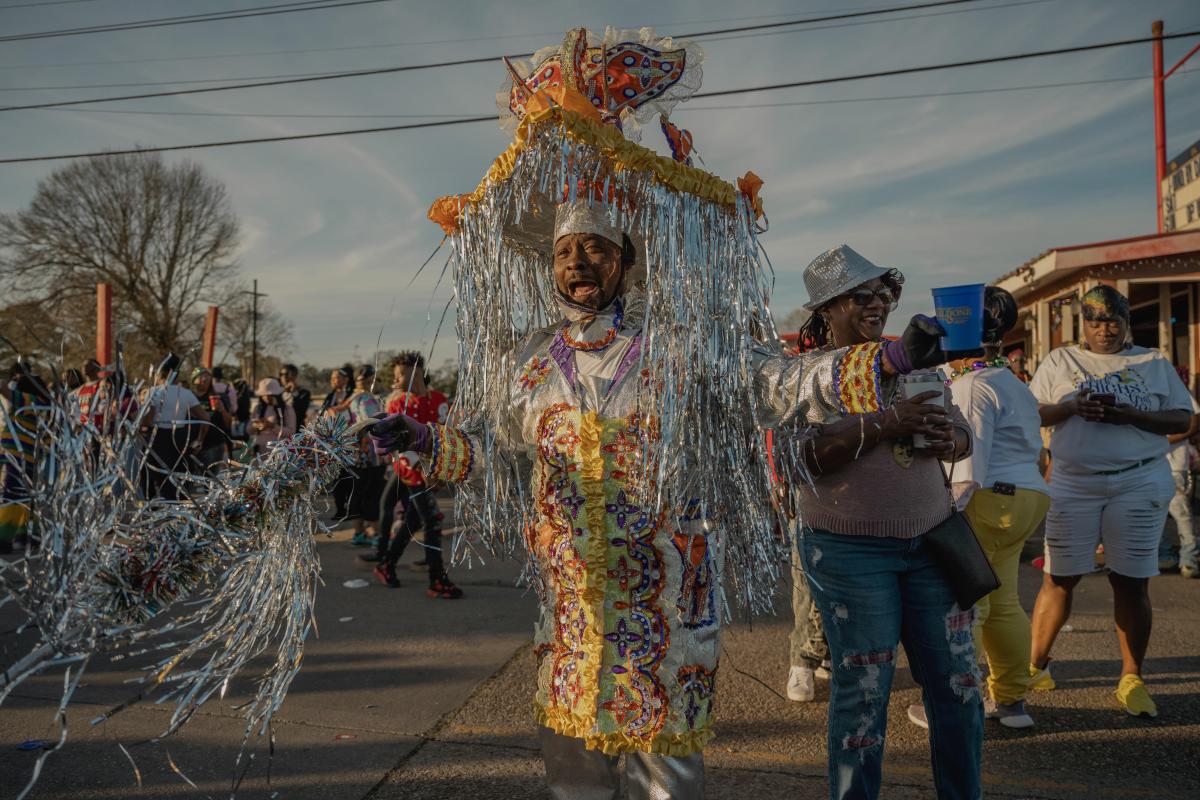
pixel 443 589
pixel 386 573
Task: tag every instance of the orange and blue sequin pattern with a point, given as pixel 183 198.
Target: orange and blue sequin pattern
pixel 856 379
pixel 606 673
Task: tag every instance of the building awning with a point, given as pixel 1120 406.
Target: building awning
pixel 1058 263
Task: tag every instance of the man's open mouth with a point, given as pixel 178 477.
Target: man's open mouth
pixel 583 291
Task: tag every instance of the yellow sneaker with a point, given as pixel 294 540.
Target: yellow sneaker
pixel 1132 695
pixel 1040 679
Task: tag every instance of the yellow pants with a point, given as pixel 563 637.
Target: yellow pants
pixel 1002 523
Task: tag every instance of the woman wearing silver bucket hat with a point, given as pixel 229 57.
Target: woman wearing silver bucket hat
pixel 872 497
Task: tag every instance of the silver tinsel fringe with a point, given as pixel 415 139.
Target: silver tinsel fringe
pixel 705 324
pixel 204 584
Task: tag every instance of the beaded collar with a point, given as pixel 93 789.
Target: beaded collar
pixel 979 364
pixel 566 340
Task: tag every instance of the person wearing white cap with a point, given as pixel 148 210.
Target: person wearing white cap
pixel 272 418
pixel 616 373
pixel 571 372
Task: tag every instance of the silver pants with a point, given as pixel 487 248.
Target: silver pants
pixel 576 773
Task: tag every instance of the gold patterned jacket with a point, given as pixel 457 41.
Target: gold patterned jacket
pixel 631 609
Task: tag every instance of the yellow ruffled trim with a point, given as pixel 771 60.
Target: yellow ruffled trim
pixel 591 481
pixel 624 154
pixel 614 744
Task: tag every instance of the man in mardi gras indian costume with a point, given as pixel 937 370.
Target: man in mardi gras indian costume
pixel 612 390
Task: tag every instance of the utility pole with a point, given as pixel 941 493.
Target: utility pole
pixel 1160 115
pixel 255 294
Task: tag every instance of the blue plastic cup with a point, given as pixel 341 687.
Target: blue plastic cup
pixel 960 310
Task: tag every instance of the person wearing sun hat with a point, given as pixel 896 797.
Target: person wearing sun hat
pixel 272 418
pixel 1111 406
pixel 616 369
pixel 866 496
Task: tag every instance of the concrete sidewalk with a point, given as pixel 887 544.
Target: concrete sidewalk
pixel 417 698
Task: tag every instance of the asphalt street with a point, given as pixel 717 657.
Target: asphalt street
pixel 402 696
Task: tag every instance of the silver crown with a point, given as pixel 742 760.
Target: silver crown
pixel 836 272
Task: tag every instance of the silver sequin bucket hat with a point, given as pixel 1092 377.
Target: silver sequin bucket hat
pixel 836 272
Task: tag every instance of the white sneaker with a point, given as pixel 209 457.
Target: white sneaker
pixel 1188 570
pixel 916 715
pixel 800 685
pixel 1010 716
pixel 822 672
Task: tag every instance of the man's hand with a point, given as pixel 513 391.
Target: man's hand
pixel 394 433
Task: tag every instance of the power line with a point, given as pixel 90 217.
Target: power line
pixel 189 19
pixel 415 67
pixel 721 93
pixel 44 3
pixel 769 87
pixel 431 115
pixel 305 50
pixel 288 76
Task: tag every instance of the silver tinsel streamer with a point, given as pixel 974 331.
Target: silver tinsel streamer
pixel 706 330
pixel 203 585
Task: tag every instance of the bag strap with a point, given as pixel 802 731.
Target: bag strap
pixel 947 478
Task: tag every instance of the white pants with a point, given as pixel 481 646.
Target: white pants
pixel 1127 511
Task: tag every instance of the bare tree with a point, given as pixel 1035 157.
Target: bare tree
pixel 162 235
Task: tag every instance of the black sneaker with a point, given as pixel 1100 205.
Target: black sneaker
pixel 386 573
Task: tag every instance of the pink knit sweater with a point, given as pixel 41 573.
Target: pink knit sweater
pixel 878 496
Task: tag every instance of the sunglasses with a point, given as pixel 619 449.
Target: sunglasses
pixel 862 296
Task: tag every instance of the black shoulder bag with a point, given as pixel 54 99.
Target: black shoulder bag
pixel 960 555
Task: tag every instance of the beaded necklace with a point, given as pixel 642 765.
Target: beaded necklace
pixel 979 364
pixel 600 343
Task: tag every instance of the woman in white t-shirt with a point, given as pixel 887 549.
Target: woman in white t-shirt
pixel 1112 407
pixel 175 421
pixel 1008 500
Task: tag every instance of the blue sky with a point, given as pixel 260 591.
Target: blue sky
pixel 950 189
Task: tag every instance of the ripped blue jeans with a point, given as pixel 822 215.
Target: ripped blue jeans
pixel 874 593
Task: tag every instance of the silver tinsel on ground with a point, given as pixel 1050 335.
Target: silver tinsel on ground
pixel 204 584
pixel 706 328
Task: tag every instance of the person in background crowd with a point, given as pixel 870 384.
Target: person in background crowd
pixel 174 419
pixel 295 394
pixel 22 393
pixel 1111 406
pixel 368 467
pixel 271 419
pixel 232 400
pixel 1180 508
pixel 407 484
pixel 872 576
pixel 72 380
pixel 244 397
pixel 337 403
pixel 1016 363
pixel 91 395
pixel 217 442
pixel 1008 502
